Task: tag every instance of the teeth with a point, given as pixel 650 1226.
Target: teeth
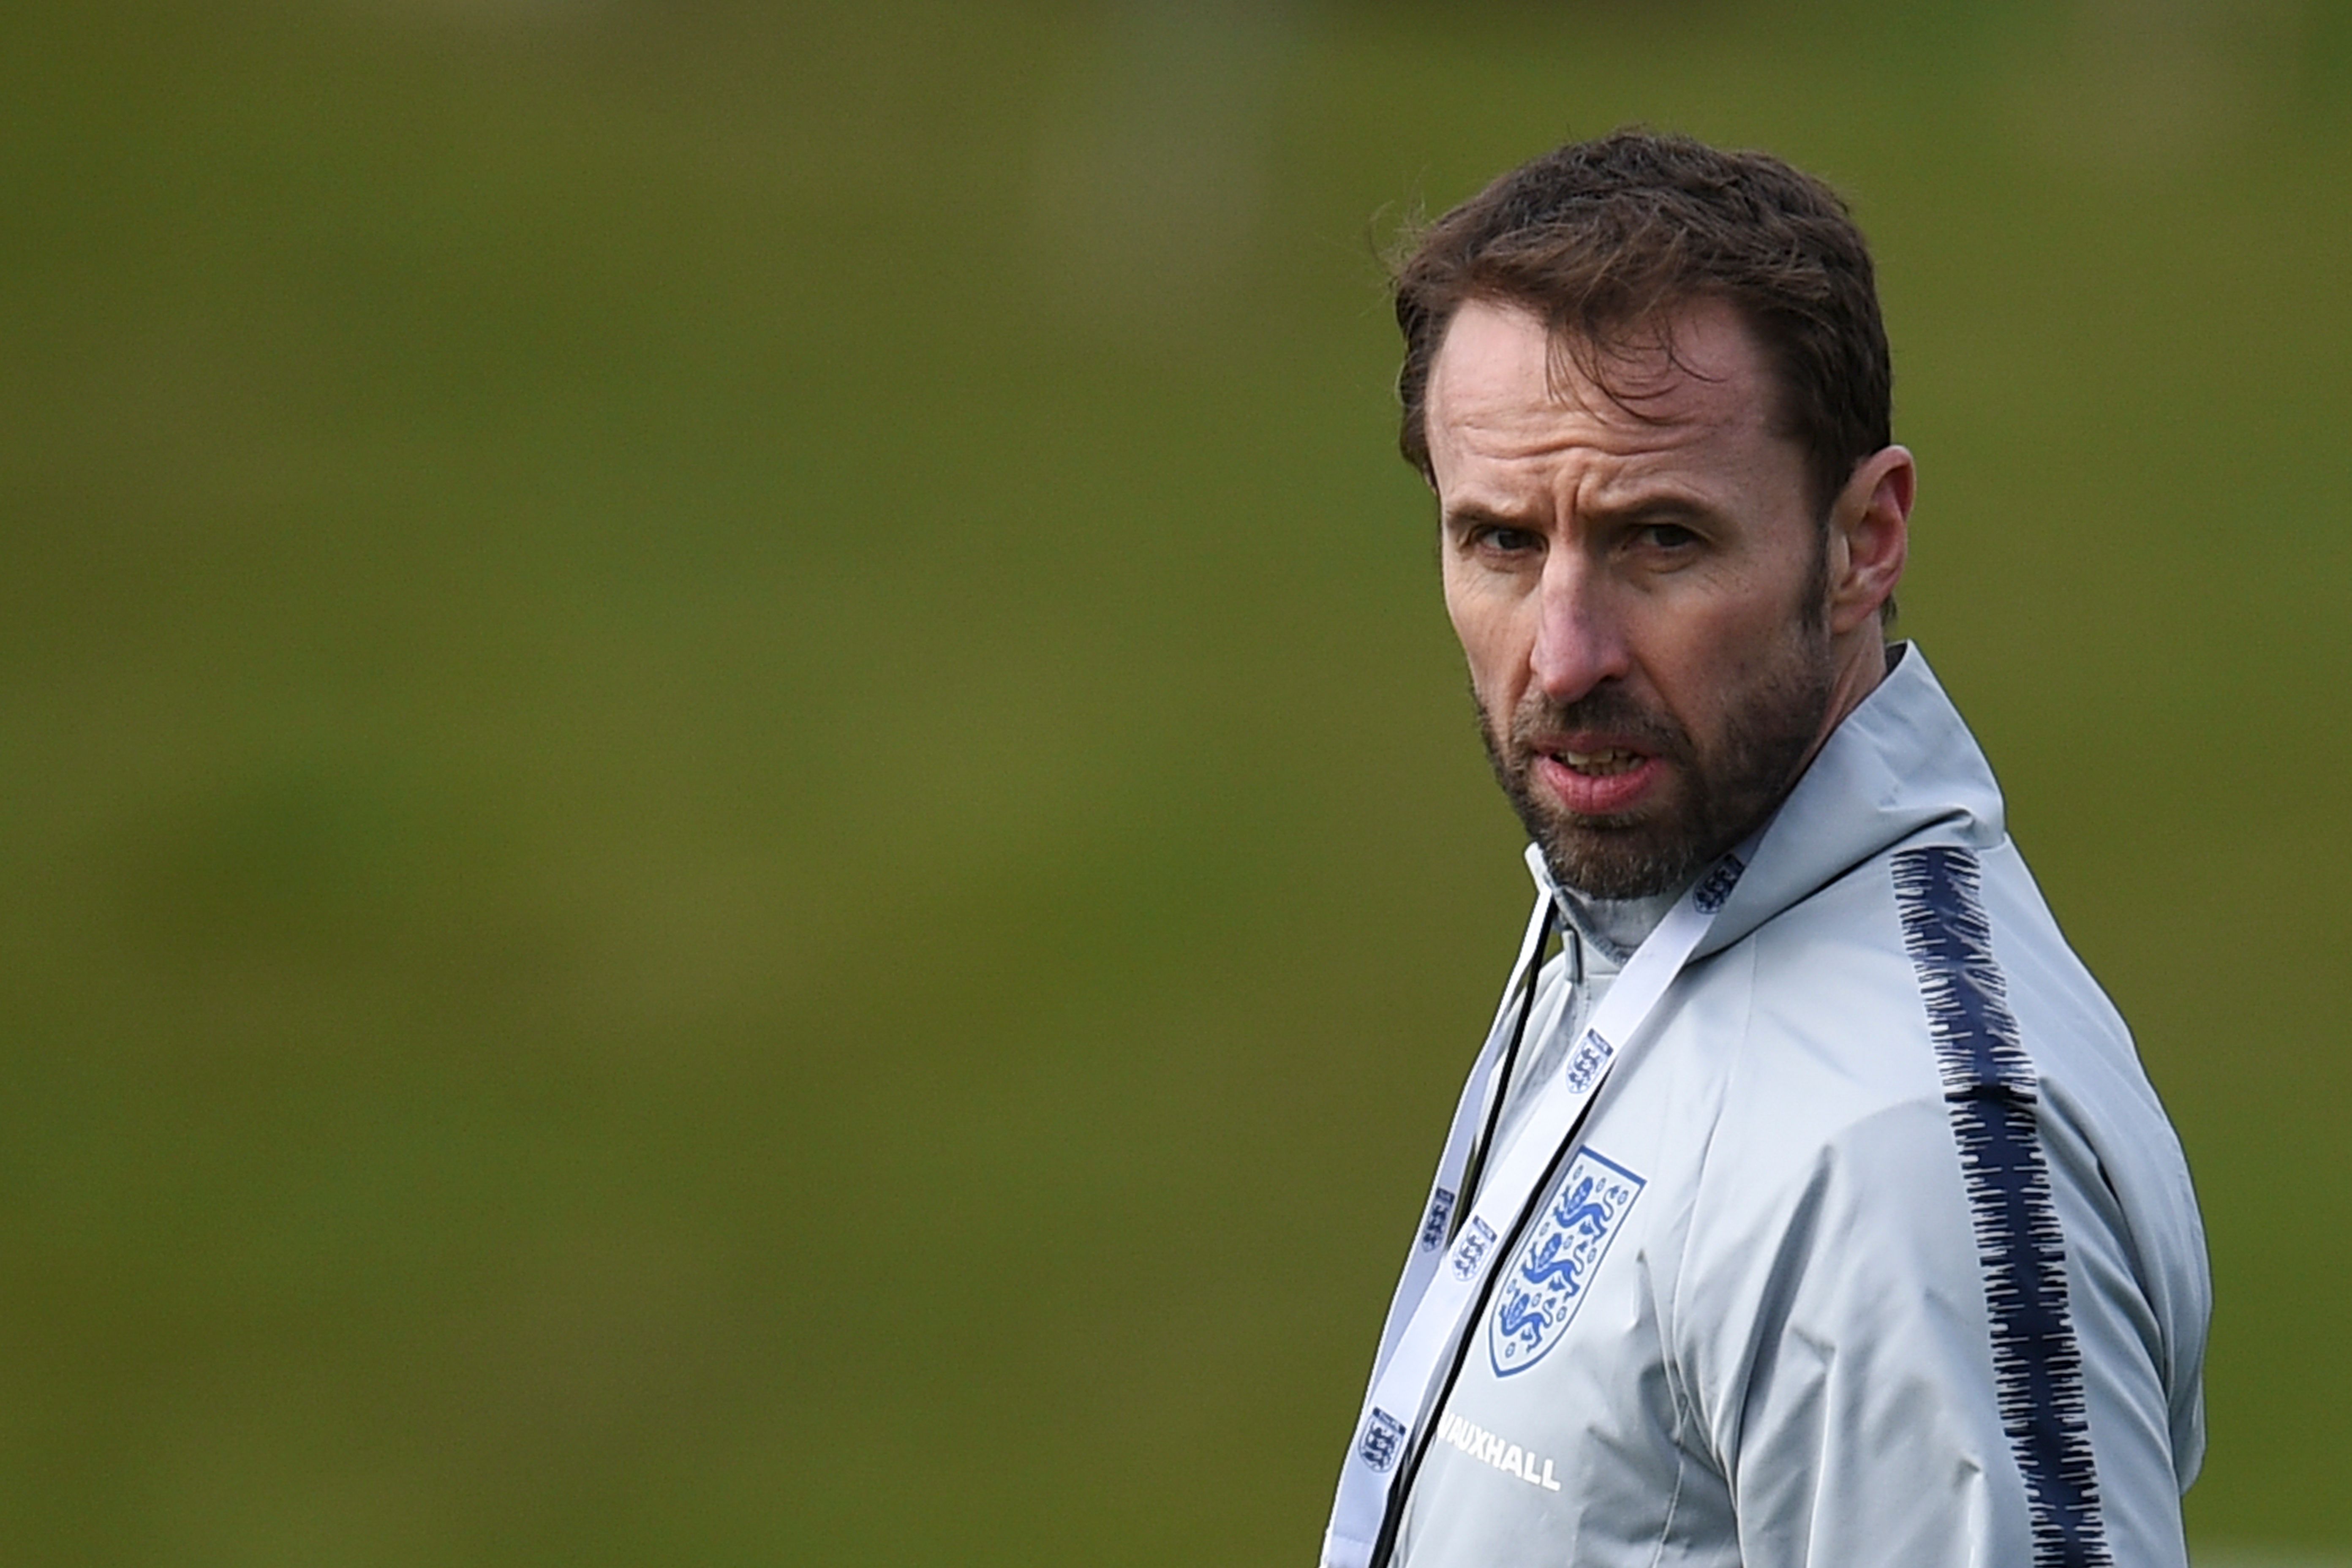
pixel 1614 761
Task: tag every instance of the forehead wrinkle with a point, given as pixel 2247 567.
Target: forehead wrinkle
pixel 1497 425
pixel 1516 403
pixel 1613 464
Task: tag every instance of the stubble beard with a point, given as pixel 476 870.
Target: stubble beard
pixel 1716 796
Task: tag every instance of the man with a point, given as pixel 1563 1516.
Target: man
pixel 1810 1205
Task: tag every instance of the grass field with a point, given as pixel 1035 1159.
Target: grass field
pixel 731 781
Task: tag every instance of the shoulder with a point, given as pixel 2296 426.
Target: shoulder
pixel 1855 1069
pixel 1922 979
pixel 1919 1097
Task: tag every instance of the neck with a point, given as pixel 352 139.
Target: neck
pixel 1615 927
pixel 1861 666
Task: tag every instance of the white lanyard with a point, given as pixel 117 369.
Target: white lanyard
pixel 1432 1305
pixel 1471 1114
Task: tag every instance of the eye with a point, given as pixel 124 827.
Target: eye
pixel 1670 537
pixel 1498 539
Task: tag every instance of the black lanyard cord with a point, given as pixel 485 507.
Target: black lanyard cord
pixel 1474 1169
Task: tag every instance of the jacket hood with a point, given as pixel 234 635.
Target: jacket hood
pixel 1902 764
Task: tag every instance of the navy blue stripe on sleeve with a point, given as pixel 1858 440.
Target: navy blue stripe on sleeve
pixel 1992 1093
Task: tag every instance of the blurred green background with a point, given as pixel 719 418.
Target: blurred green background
pixel 732 786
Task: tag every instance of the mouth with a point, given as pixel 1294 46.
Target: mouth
pixel 1598 780
pixel 1602 764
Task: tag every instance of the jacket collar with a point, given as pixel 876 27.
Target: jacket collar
pixel 1901 765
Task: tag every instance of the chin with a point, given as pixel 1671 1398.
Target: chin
pixel 1629 860
pixel 1615 878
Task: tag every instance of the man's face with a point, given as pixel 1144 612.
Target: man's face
pixel 1642 595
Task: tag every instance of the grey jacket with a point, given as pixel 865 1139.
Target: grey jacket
pixel 1877 1250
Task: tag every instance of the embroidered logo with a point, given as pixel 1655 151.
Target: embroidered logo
pixel 1538 1295
pixel 1383 1439
pixel 1586 1062
pixel 1471 1250
pixel 1433 1229
pixel 1716 887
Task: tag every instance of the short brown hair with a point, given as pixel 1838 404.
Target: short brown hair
pixel 1603 239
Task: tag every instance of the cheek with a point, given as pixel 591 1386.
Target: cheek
pixel 1702 663
pixel 1497 662
pixel 1742 654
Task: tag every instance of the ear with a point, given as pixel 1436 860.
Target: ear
pixel 1870 537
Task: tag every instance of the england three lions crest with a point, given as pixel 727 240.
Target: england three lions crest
pixel 1537 1296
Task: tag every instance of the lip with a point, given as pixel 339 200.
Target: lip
pixel 1596 794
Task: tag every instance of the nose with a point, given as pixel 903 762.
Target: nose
pixel 1579 636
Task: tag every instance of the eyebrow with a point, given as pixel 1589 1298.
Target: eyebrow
pixel 1667 506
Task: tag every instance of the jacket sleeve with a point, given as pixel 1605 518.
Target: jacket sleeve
pixel 1880 1355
